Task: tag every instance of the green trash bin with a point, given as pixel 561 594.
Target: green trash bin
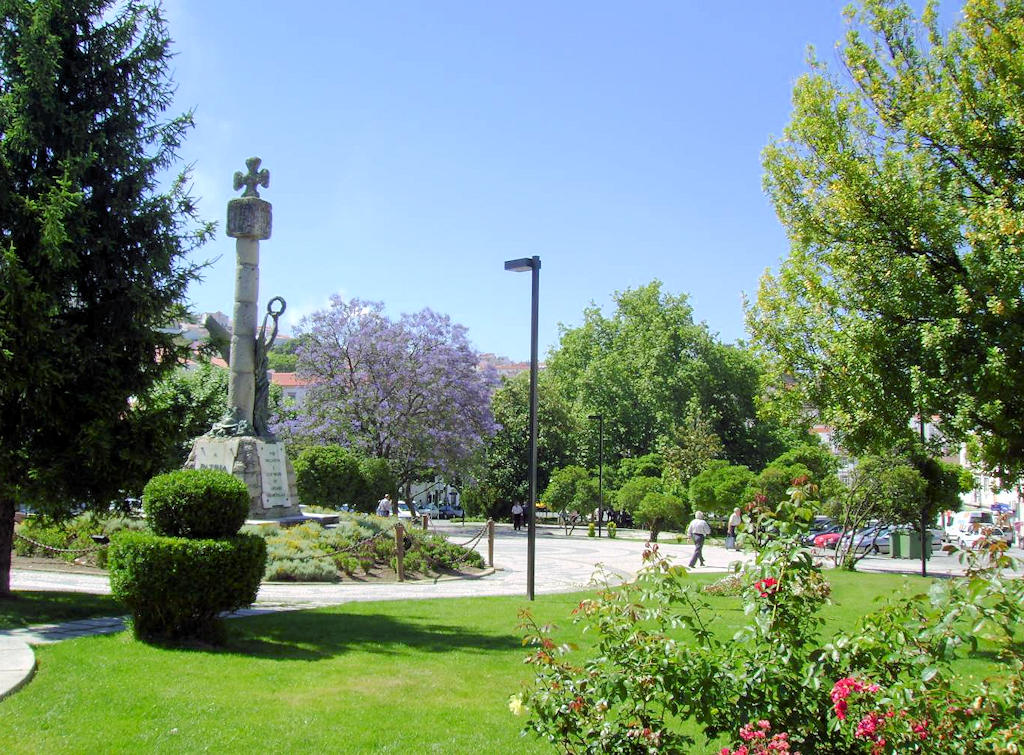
pixel 910 545
pixel 896 545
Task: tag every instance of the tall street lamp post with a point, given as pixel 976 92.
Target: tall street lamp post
pixel 521 266
pixel 600 468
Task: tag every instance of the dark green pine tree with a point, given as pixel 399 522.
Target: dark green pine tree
pixel 94 244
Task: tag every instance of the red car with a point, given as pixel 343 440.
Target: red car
pixel 827 539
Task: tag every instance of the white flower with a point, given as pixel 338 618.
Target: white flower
pixel 515 704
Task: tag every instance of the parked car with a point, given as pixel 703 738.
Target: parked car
pixel 447 511
pixel 874 538
pixel 984 535
pixel 877 541
pixel 404 512
pixel 828 539
pixel 430 509
pixel 813 535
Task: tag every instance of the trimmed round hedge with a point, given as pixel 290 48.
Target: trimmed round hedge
pixel 196 503
pixel 176 588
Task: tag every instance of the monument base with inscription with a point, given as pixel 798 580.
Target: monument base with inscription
pixel 258 462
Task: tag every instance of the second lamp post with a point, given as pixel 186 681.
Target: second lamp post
pixel 600 469
pixel 520 266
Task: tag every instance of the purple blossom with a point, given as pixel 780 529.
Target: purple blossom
pixel 409 391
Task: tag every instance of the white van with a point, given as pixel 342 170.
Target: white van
pixel 967 521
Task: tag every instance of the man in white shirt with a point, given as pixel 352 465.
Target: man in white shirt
pixel 698 530
pixel 517 516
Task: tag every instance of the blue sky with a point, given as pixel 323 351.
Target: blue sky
pixel 414 146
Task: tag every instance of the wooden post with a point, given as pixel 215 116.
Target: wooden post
pixel 490 543
pixel 426 522
pixel 400 551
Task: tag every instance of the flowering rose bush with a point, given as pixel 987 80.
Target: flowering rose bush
pixel 757 742
pixel 886 685
pixel 657 662
pixel 766 587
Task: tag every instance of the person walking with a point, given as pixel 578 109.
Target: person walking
pixel 384 505
pixel 517 516
pixel 698 530
pixel 735 519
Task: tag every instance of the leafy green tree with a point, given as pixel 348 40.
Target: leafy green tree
pixel 284 356
pixel 900 181
pixel 648 465
pixel 661 510
pixel 814 457
pixel 886 488
pixel 280 362
pixel 330 476
pixel 772 484
pixel 481 499
pixel 177 409
pixel 628 497
pixel 943 484
pixel 379 479
pixel 571 489
pixel 720 487
pixel 690 447
pixel 508 450
pixel 652 502
pixel 95 243
pixel 641 368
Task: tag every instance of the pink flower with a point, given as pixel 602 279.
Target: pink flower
pixel 868 726
pixel 843 689
pixel 756 734
pixel 767 586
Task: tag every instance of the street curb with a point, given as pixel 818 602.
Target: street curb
pixel 17 665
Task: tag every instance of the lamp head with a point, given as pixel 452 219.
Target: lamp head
pixel 523 264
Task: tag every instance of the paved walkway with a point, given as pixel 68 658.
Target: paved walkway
pixel 563 564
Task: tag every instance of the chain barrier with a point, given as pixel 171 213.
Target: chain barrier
pixel 356 546
pixel 473 540
pixel 44 546
pixel 470 545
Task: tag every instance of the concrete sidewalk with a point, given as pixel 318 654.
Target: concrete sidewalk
pixel 563 564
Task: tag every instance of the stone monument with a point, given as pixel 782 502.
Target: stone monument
pixel 241 442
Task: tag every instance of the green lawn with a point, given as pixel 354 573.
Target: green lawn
pixel 400 676
pixel 45 607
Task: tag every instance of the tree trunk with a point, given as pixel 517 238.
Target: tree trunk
pixel 6 543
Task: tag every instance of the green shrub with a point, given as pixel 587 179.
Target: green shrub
pixel 196 503
pixel 329 476
pixel 295 570
pixel 613 530
pixel 591 530
pixel 176 588
pixel 347 563
pixel 437 553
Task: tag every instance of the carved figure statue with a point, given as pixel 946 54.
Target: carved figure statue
pixel 261 403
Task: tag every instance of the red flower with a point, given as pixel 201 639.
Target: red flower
pixel 767 586
pixel 842 690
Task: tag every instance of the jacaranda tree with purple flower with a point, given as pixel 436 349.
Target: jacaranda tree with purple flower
pixel 406 390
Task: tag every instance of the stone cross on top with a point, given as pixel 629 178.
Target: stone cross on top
pixel 255 177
